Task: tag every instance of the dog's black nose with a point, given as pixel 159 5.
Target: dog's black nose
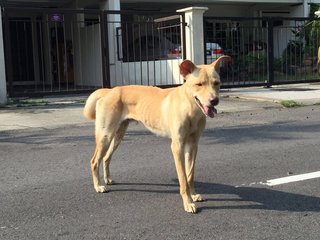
pixel 214 101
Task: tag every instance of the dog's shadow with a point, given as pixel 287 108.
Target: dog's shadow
pixel 263 198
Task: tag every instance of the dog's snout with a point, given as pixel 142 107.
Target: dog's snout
pixel 214 101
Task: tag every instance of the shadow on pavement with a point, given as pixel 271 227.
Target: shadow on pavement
pixel 240 197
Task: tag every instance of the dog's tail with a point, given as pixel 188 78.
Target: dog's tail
pixel 89 110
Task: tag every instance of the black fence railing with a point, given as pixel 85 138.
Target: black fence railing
pixel 265 51
pixel 147 49
pixel 50 51
pixel 64 50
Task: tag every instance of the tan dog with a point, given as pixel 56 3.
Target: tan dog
pixel 178 113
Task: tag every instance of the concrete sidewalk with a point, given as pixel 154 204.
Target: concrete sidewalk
pixel 64 111
pixel 306 94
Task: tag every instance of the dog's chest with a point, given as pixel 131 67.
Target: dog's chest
pixel 159 132
pixel 195 125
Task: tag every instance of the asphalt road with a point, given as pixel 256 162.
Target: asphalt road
pixel 46 190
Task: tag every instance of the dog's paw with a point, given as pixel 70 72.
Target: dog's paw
pixel 197 198
pixel 190 207
pixel 101 189
pixel 109 181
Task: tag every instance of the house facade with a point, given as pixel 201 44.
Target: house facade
pixel 62 51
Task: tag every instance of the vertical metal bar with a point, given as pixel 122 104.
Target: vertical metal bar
pixel 134 51
pixel 41 51
pixel 26 51
pixel 147 52
pixel 105 49
pixel 107 81
pixel 79 32
pixel 153 55
pixel 73 49
pixel 240 68
pixel 257 56
pixel 295 55
pixel 270 73
pixel 286 59
pixel 118 44
pixel 65 64
pixel 49 55
pixel 140 53
pixel 205 37
pixel 127 51
pixel 19 53
pixel 183 36
pixel 58 55
pixel 8 53
pixel 93 47
pixel 133 42
pixel 35 51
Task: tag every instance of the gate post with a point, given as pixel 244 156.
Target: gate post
pixel 194 33
pixel 104 51
pixel 3 84
pixel 111 20
pixel 270 73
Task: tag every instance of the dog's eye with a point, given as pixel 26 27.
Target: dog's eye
pixel 216 83
pixel 199 84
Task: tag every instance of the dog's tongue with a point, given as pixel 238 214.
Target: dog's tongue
pixel 210 111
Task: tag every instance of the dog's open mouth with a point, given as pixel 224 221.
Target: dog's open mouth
pixel 209 111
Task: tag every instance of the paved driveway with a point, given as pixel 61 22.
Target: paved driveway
pixel 46 190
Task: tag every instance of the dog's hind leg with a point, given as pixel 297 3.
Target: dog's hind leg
pixel 113 146
pixel 102 145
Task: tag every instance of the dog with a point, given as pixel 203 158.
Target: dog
pixel 178 113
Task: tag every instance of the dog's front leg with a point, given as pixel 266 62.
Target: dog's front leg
pixel 191 149
pixel 177 148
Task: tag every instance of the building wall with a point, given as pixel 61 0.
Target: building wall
pixel 89 64
pixel 162 72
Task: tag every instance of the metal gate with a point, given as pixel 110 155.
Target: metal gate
pixel 146 48
pixel 50 51
pixel 265 51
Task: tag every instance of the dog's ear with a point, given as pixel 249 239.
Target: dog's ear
pixel 186 67
pixel 216 63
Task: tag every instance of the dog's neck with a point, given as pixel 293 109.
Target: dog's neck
pixel 190 104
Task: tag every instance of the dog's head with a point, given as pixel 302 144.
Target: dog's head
pixel 202 83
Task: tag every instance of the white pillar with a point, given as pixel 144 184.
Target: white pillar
pixel 110 5
pixel 114 21
pixel 306 8
pixel 3 83
pixel 194 33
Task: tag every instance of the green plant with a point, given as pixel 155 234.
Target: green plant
pixel 30 102
pixel 314 26
pixel 292 56
pixel 290 103
pixel 81 101
pixel 310 50
pixel 278 64
pixel 312 30
pixel 10 101
pixel 255 58
pixel 255 62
